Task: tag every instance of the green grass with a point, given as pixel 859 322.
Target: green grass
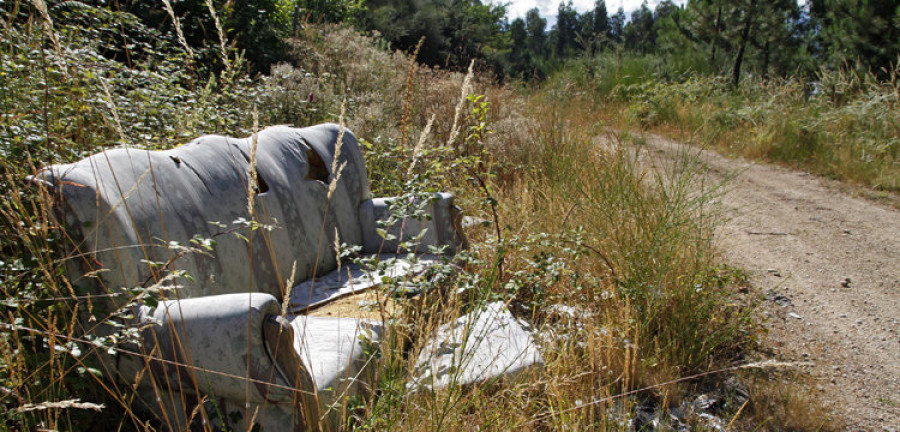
pixel 845 126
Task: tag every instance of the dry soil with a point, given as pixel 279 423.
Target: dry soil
pixel 828 265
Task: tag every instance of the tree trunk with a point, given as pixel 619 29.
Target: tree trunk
pixel 715 40
pixel 745 37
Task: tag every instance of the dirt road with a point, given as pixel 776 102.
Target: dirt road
pixel 829 265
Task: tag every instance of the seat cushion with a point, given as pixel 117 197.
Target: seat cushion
pixel 354 278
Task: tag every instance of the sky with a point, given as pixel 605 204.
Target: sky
pixel 518 8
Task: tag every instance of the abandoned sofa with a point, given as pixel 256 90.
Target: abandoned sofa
pixel 176 222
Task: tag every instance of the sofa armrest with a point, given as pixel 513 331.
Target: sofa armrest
pixel 209 345
pixel 441 226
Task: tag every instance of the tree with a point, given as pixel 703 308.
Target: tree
pixel 536 27
pixel 734 34
pixel 760 24
pixel 473 29
pixel 455 31
pixel 747 14
pixel 404 23
pixel 601 18
pixel 702 22
pixel 324 10
pixel 255 27
pixel 780 38
pixel 519 56
pixel 617 26
pixel 566 29
pixel 595 27
pixel 639 33
pixel 601 23
pixel 867 31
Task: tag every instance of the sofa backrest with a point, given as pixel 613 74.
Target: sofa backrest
pixel 132 213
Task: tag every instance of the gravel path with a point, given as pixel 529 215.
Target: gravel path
pixel 829 265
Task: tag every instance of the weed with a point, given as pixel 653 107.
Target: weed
pixel 840 125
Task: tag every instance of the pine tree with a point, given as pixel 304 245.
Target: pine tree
pixel 566 29
pixel 640 34
pixel 867 31
pixel 617 26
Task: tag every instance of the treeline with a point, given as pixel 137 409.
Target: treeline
pixel 717 37
pixel 721 37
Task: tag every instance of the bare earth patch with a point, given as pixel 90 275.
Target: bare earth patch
pixel 828 265
pixel 365 305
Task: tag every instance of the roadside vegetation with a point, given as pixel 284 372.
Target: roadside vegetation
pixel 546 154
pixel 843 125
pixel 811 86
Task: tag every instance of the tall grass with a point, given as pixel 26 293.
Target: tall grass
pixel 591 226
pixel 573 217
pixel 840 124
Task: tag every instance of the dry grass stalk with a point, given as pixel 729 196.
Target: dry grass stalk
pixel 48 25
pixel 336 166
pixel 340 140
pixel 221 32
pixel 131 190
pixel 252 419
pixel 336 244
pixel 167 5
pixel 410 87
pixel 774 364
pixel 768 364
pixel 333 185
pixel 463 96
pixel 115 112
pixel 196 411
pixel 417 150
pixel 66 404
pixel 288 287
pixel 736 415
pixel 251 174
